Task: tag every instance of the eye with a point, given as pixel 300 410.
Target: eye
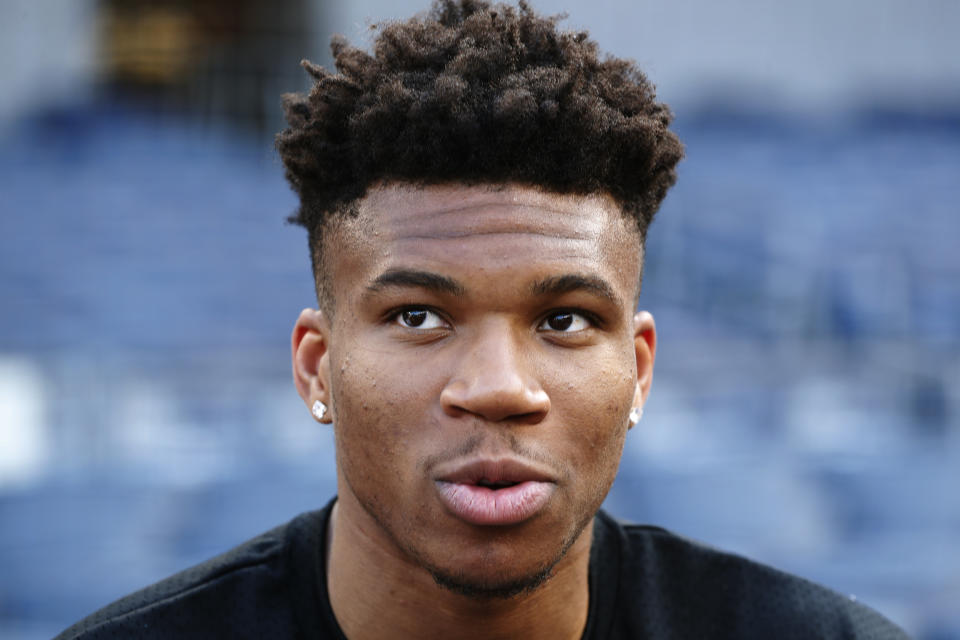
pixel 564 321
pixel 419 318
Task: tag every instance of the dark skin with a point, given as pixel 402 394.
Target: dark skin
pixel 473 325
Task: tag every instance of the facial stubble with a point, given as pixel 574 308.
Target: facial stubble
pixel 461 584
pixel 457 581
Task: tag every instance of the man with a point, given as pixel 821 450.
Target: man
pixel 476 195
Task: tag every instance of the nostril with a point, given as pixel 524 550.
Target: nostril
pixel 494 382
pixel 525 407
pixel 532 417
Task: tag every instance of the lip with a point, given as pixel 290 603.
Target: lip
pixel 464 492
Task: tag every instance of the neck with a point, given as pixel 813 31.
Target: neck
pixel 377 591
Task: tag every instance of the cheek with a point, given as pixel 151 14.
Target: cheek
pixel 595 407
pixel 597 387
pixel 376 408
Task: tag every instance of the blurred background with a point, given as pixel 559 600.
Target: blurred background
pixel 804 274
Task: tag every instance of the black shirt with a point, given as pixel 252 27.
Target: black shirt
pixel 644 583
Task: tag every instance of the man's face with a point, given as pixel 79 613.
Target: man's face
pixel 480 368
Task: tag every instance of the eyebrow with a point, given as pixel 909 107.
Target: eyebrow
pixel 406 278
pixel 568 283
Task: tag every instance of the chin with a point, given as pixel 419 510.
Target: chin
pixel 491 588
pixel 501 574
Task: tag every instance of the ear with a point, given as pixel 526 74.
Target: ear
pixel 310 352
pixel 645 346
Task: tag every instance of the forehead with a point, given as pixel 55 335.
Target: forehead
pixel 487 229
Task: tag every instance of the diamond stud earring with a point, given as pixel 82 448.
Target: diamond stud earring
pixel 635 414
pixel 319 410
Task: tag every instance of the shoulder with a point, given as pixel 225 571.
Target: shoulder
pixel 683 585
pixel 227 596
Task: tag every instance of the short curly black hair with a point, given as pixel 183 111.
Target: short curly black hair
pixel 476 93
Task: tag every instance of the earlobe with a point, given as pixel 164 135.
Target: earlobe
pixel 309 346
pixel 645 347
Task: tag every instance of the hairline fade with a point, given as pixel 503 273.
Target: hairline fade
pixel 475 93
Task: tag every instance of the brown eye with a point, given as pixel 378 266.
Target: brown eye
pixel 560 321
pixel 414 318
pixel 419 318
pixel 564 321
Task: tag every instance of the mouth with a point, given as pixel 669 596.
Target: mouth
pixel 490 492
pixel 490 484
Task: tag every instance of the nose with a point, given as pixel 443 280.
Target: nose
pixel 495 380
